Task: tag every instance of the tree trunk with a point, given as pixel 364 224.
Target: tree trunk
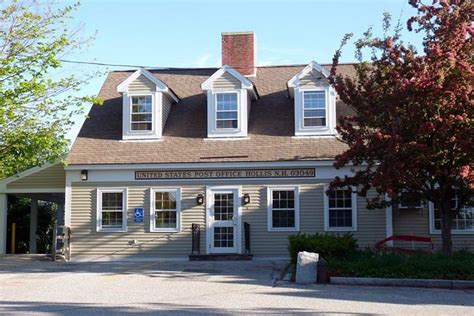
pixel 446 222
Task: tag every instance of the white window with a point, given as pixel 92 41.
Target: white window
pixel 283 209
pixel 227 111
pixel 165 210
pixel 141 113
pixel 112 210
pixel 463 221
pixel 314 108
pixel 340 209
pixel 410 200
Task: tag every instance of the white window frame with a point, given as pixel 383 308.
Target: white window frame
pixel 242 115
pixel 270 190
pixel 124 192
pixel 153 114
pixel 327 227
pixel 156 126
pixel 177 191
pixel 435 231
pixel 238 111
pixel 330 111
pixel 326 109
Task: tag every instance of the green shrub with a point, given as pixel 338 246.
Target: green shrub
pixel 326 245
pixel 401 265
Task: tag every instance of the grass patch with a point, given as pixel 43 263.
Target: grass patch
pixel 460 266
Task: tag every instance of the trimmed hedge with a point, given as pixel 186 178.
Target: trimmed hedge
pixel 459 266
pixel 328 246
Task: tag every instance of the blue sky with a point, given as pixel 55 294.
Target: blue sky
pixel 183 33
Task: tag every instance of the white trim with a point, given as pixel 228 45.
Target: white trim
pixel 296 190
pixel 242 117
pixel 99 192
pixel 330 98
pixel 35 190
pixel 68 198
pixel 153 112
pixel 238 206
pixel 327 228
pixel 156 110
pixel 434 231
pixel 159 85
pixel 3 223
pixel 315 163
pixel 312 66
pixel 26 173
pixel 153 190
pixel 246 83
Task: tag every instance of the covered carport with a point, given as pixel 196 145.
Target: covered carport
pixel 44 183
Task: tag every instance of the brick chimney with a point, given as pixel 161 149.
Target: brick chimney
pixel 238 51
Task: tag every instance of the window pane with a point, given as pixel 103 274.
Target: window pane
pixel 314 122
pixel 283 218
pixel 141 117
pixel 140 120
pixel 226 110
pixel 112 201
pixel 314 105
pixel 409 200
pixel 283 208
pixel 223 206
pixel 165 200
pixel 165 219
pixel 141 126
pixel 223 237
pixel 226 124
pixel 340 208
pixel 112 219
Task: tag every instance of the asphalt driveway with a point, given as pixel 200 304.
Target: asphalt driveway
pixel 182 288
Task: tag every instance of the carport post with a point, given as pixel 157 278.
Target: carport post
pixel 33 224
pixel 3 223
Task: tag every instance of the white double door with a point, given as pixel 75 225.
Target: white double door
pixel 223 220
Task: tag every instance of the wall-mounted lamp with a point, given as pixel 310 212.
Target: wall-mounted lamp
pixel 246 198
pixel 83 175
pixel 200 199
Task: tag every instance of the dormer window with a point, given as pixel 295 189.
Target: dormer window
pixel 315 102
pixel 229 96
pixel 146 104
pixel 227 110
pixel 141 113
pixel 314 108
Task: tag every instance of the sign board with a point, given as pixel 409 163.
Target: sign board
pixel 138 215
pixel 274 173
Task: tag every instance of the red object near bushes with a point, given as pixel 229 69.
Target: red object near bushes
pixel 383 243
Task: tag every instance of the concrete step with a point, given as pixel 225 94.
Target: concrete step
pixel 221 257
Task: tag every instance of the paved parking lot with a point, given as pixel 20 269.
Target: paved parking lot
pixel 182 288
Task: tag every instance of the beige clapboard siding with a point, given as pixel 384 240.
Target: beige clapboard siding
pixel 141 84
pixel 416 222
pixel 226 82
pixel 53 177
pixel 310 80
pixel 87 241
pixel 166 108
pixel 370 223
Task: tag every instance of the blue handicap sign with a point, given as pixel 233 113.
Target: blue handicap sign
pixel 138 215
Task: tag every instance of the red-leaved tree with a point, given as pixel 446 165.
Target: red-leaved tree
pixel 414 125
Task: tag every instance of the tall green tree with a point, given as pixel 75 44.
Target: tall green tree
pixel 37 102
pixel 414 127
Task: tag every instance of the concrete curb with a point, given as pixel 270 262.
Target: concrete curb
pixel 430 283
